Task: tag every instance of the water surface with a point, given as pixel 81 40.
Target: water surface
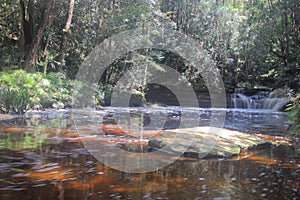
pixel 42 156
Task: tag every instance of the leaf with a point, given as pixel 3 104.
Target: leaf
pixel 16 170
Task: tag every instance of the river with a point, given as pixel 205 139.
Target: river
pixel 43 156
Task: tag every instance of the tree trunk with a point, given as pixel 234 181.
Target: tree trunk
pixel 65 34
pixel 100 22
pixel 32 53
pixel 27 26
pixel 46 55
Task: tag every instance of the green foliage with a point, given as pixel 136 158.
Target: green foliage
pixel 294 115
pixel 21 90
pixel 253 43
pixel 103 95
pixel 60 90
pixel 13 100
pixel 9 54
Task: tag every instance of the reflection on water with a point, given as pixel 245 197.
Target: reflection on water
pixel 42 157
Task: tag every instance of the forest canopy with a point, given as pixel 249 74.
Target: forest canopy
pixel 255 43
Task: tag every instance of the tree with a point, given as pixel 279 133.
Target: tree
pixel 254 43
pixel 32 53
pixel 9 35
pixel 65 34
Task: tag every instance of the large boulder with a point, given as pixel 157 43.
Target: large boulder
pixel 205 142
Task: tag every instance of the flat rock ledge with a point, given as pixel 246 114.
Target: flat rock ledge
pixel 206 142
pixel 4 117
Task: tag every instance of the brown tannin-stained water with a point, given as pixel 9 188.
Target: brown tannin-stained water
pixel 43 156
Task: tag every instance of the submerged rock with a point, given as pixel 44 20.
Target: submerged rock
pixel 205 142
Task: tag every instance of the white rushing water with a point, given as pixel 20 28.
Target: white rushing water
pixel 261 100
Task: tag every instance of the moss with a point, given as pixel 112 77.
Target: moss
pixel 137 99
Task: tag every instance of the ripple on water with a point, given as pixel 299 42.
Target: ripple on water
pixel 65 163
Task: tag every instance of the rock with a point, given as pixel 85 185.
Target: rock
pixel 137 99
pixel 58 105
pixel 205 142
pixel 6 116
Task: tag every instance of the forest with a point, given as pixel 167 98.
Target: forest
pixel 254 43
pixel 149 99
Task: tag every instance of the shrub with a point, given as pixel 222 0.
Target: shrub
pixel 17 89
pixel 13 100
pixel 21 90
pixel 60 90
pixel 103 95
pixel 295 115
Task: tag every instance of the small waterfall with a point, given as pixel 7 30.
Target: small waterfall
pixel 261 100
pixel 275 103
pixel 240 101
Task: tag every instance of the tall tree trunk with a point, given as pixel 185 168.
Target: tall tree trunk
pixel 46 54
pixel 27 26
pixel 32 53
pixel 100 22
pixel 65 34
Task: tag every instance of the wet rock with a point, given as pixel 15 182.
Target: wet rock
pixel 6 116
pixel 205 142
pixel 137 99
